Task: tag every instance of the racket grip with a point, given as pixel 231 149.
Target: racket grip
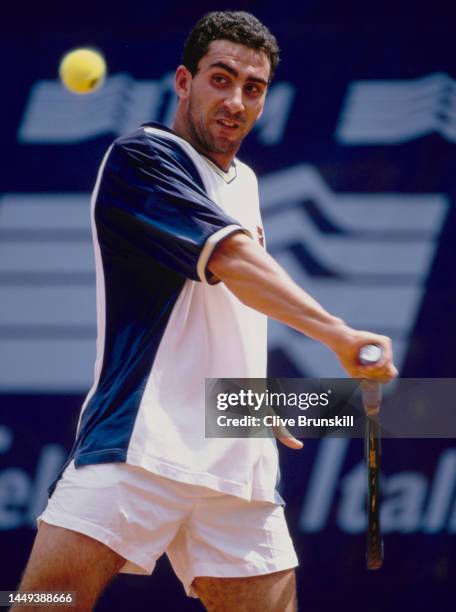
pixel 371 391
pixel 372 396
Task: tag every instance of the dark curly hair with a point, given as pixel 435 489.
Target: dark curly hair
pixel 238 27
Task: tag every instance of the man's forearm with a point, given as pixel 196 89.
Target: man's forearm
pixel 260 282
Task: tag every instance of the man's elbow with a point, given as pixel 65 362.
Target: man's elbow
pixel 228 254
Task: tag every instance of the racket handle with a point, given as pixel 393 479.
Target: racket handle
pixel 372 396
pixel 371 391
pixel 374 554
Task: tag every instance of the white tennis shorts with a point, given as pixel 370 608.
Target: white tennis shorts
pixel 141 515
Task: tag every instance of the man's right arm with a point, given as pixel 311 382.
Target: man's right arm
pixel 259 282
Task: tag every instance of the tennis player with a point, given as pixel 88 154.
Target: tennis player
pixel 184 289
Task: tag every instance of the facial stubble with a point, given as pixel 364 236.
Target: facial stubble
pixel 204 140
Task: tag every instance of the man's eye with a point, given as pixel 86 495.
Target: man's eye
pixel 253 89
pixel 220 80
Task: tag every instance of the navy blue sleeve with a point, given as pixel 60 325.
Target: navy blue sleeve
pixel 152 196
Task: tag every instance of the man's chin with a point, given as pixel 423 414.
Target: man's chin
pixel 225 145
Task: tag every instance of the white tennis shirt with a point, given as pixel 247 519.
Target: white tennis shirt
pixel 159 209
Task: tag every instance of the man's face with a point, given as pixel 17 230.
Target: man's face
pixel 226 97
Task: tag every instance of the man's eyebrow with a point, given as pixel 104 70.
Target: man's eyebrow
pixel 235 73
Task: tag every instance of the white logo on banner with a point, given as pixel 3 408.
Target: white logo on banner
pixel 393 112
pixel 54 116
pixel 364 257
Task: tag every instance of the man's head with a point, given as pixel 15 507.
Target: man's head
pixel 229 59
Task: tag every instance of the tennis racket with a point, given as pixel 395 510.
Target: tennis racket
pixel 372 395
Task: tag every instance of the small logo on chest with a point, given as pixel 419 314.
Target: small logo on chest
pixel 260 235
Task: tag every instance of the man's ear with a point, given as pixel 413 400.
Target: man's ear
pixel 182 82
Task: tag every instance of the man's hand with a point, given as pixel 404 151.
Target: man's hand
pixel 347 342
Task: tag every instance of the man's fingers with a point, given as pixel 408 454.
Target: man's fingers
pixel 383 373
pixel 282 434
pixel 291 443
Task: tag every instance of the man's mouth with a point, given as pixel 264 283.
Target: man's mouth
pixel 226 123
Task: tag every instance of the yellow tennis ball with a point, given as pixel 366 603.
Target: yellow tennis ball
pixel 82 70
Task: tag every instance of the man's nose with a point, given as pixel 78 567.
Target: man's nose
pixel 234 101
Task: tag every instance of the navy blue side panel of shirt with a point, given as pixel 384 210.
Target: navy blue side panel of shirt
pixel 153 218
